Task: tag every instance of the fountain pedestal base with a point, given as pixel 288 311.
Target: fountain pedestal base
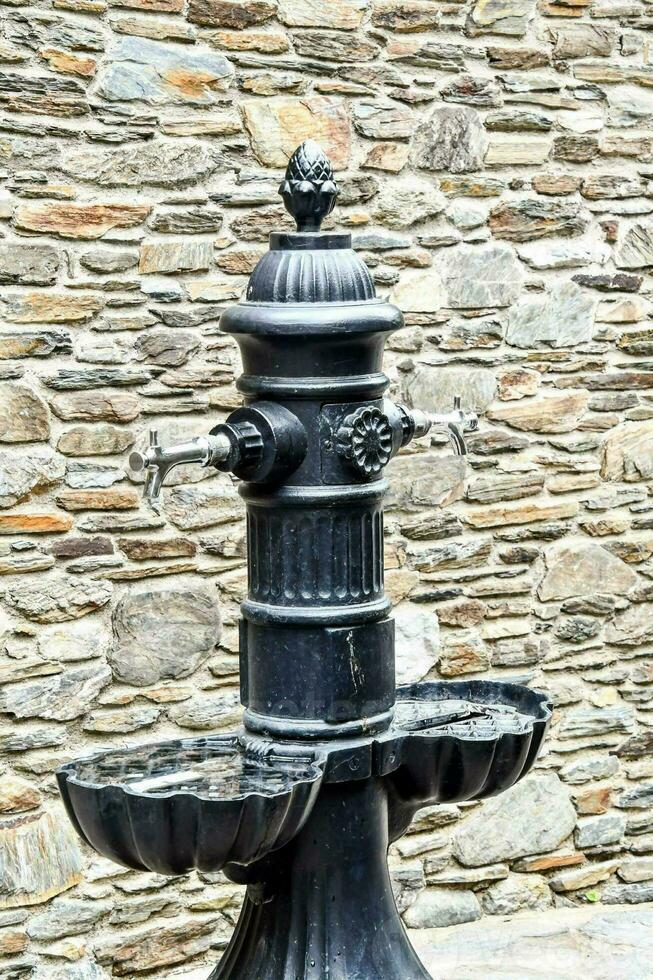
pixel 323 905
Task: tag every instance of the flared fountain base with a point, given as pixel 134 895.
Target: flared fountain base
pixel 323 907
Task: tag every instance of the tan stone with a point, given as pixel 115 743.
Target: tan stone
pixel 548 862
pixel 217 124
pixel 579 568
pixel 212 291
pixel 163 694
pixel 632 627
pixel 155 28
pixel 630 310
pixel 462 612
pixel 57 600
pixel 230 13
pixel 71 950
pixel 241 261
pixel 463 655
pixel 465 554
pixel 68 63
pixel 591 873
pixel 627 452
pixel 158 946
pixel 538 510
pixel 425 480
pixel 112 498
pixel 594 800
pixel 12 941
pixel 391 157
pixel 34 523
pixel 110 406
pixel 344 15
pixel 12 53
pixel 636 869
pixel 551 412
pixel 148 571
pixel 23 343
pixel 638 342
pixel 406 16
pixel 269 84
pixel 522 58
pixel 568 482
pixel 41 858
pixel 277 126
pixel 81 6
pixel 100 440
pixel 613 525
pixel 406 202
pixel 555 184
pixel 530 219
pixel 514 383
pixel 143 549
pixel 629 550
pixel 179 256
pixel 24 416
pixel 26 669
pixel 470 186
pixel 610 71
pixel 22 564
pixel 433 388
pixel 501 16
pixel 419 292
pixel 151 6
pixel 86 221
pixel 399 583
pixel 517 151
pixel 564 8
pixel 267 42
pixel 17 794
pixel 639 147
pixel 43 94
pixel 45 307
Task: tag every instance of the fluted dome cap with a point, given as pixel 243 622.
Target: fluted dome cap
pixel 309 265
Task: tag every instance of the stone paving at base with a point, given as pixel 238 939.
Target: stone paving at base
pixel 563 944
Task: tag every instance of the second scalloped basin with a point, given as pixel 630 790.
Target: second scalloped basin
pixel 194 803
pixel 465 740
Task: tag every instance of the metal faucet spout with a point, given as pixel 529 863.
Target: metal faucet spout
pixel 455 424
pixel 157 461
pixel 457 439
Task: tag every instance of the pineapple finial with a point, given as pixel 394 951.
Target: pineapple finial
pixel 308 190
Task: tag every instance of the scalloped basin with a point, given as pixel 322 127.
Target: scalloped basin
pixel 193 803
pixel 465 740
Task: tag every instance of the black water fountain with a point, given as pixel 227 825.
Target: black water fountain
pixel 332 761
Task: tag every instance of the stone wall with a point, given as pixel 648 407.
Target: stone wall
pixel 496 161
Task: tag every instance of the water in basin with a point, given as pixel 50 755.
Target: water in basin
pixel 460 717
pixel 211 768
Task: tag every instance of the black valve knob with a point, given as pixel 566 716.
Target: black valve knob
pixel 246 447
pixel 268 442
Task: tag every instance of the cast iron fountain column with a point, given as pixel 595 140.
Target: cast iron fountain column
pixel 332 761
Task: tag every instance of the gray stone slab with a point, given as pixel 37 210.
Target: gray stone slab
pixel 554 945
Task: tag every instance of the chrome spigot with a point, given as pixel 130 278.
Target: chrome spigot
pixel 455 424
pixel 157 461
